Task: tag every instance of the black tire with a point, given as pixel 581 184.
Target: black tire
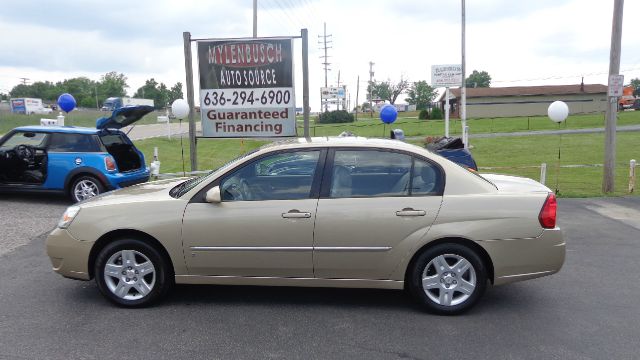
pixel 158 282
pixel 449 285
pixel 79 188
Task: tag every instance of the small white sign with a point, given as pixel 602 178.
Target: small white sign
pixel 332 92
pixel 446 75
pixel 616 83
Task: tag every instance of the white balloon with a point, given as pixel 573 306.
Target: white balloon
pixel 558 111
pixel 180 108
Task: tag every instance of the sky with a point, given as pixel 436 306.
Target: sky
pixel 542 42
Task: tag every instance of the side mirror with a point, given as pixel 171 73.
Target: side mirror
pixel 213 195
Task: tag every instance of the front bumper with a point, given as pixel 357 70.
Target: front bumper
pixel 69 256
pixel 522 259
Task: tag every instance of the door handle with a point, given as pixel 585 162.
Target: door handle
pixel 296 214
pixel 410 212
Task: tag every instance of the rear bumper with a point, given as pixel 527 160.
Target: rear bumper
pixel 69 256
pixel 522 259
pixel 120 180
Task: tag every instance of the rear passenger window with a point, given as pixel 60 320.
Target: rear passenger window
pixel 360 173
pixel 61 142
pixel 426 179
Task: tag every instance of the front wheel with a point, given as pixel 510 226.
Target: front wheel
pixel 132 273
pixel 85 187
pixel 448 279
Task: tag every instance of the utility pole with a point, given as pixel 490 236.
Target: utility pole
pixel 24 80
pixel 255 18
pixel 608 176
pixel 95 86
pixel 338 103
pixel 371 88
pixel 463 87
pixel 325 63
pixel 357 94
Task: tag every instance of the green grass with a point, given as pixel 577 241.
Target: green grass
pixel 522 155
pixel 85 118
pixel 509 155
pixel 372 127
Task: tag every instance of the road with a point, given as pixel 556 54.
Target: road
pixel 587 311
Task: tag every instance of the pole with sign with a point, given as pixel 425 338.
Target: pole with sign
pixel 446 76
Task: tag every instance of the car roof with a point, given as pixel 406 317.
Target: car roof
pixel 342 141
pixel 59 129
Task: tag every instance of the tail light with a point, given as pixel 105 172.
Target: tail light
pixel 109 163
pixel 547 215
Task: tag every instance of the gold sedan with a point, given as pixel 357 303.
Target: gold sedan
pixel 327 212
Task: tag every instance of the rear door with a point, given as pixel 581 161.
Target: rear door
pixel 374 205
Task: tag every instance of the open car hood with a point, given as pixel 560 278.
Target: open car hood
pixel 123 117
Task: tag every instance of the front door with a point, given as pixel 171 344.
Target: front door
pixel 264 224
pixel 374 206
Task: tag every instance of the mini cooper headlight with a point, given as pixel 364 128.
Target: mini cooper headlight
pixel 68 216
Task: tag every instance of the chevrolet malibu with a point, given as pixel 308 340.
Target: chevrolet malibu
pixel 324 212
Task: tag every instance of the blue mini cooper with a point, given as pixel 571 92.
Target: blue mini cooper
pixel 80 162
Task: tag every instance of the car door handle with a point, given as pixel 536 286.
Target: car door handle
pixel 410 212
pixel 296 214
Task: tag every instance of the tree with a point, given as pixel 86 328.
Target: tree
pixel 175 92
pixel 478 79
pixel 4 96
pixel 421 95
pixel 636 85
pixel 387 90
pixel 112 84
pixel 161 95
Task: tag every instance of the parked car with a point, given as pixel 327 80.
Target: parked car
pixel 81 162
pixel 453 149
pixel 371 213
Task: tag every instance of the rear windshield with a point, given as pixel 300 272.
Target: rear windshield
pixel 112 139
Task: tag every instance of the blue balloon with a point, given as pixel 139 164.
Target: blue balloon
pixel 388 114
pixel 66 102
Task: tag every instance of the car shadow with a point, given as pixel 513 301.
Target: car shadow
pixel 27 197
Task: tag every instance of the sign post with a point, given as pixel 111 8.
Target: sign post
pixel 447 76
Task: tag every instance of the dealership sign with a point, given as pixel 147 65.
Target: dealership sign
pixel 246 87
pixel 446 75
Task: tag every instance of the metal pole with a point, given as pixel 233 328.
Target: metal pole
pixel 632 175
pixel 446 113
pixel 608 176
pixel 188 67
pixel 305 80
pixel 543 173
pixel 463 88
pixel 357 94
pixel 255 18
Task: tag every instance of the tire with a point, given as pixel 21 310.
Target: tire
pixel 456 287
pixel 132 273
pixel 85 187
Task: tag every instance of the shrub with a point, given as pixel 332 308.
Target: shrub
pixel 335 117
pixel 423 115
pixel 436 113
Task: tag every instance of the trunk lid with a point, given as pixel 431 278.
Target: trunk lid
pixel 123 116
pixel 507 183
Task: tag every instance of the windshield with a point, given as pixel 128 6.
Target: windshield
pixel 186 186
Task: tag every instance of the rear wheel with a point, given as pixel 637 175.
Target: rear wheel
pixel 448 279
pixel 85 187
pixel 132 273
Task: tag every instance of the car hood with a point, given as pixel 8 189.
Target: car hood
pixel 123 116
pixel 150 191
pixel 508 183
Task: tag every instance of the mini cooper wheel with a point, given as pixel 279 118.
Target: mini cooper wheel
pixel 85 187
pixel 132 273
pixel 448 279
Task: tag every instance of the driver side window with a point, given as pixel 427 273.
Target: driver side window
pixel 281 176
pixel 24 138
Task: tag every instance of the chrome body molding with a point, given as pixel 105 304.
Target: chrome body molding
pixel 291 248
pixel 280 281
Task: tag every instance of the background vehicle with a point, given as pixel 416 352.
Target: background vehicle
pixel 337 212
pixel 82 162
pixel 28 106
pixel 114 103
